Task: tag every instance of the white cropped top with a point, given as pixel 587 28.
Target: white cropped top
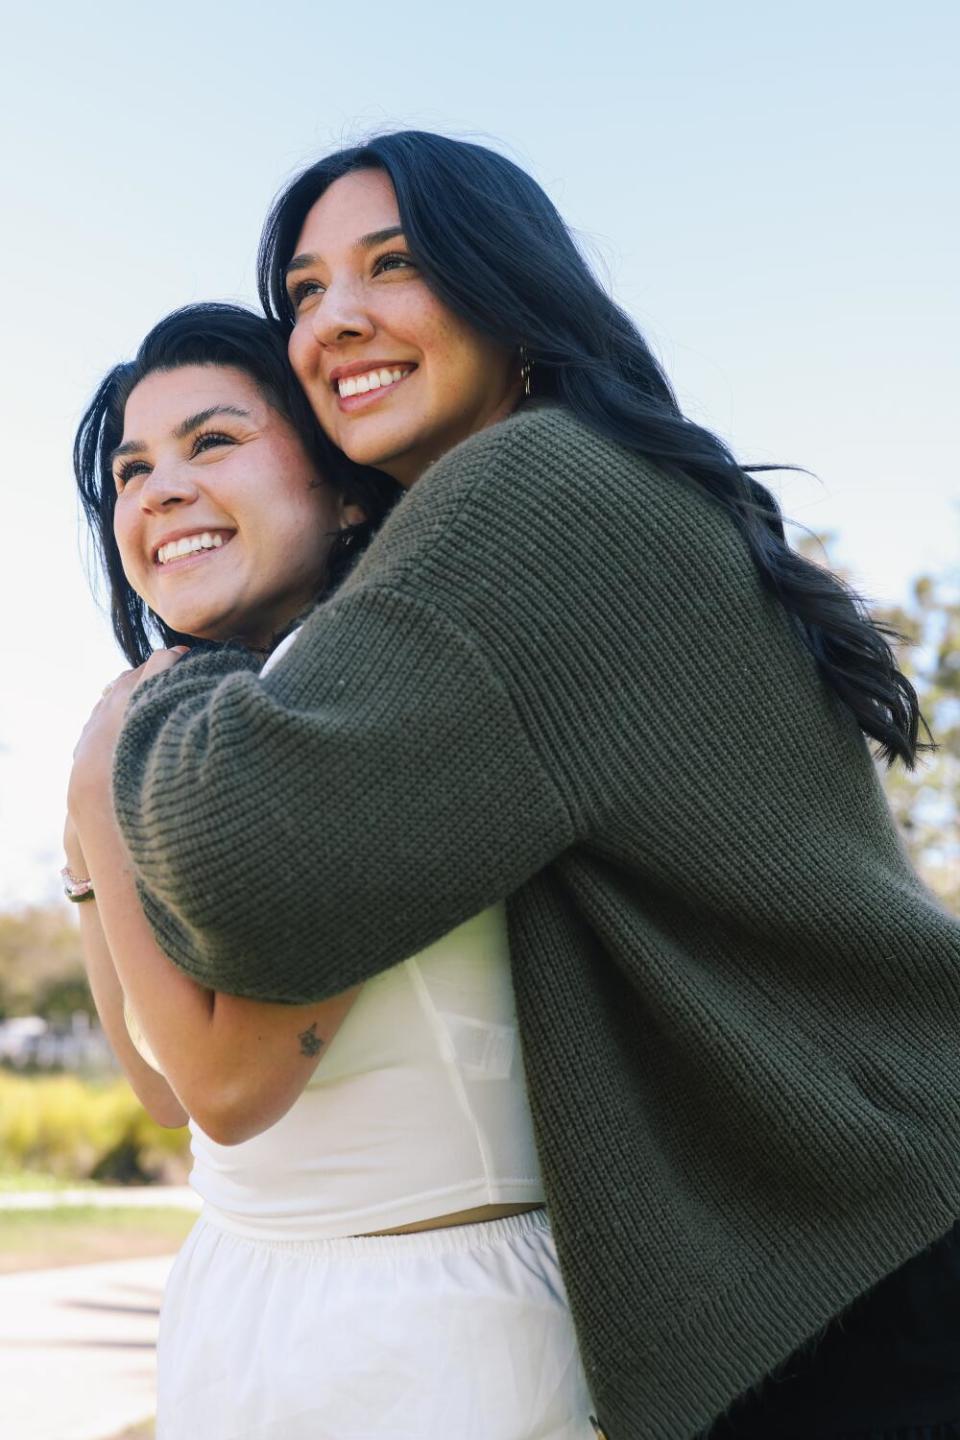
pixel 418 1108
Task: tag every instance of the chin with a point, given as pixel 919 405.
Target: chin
pixel 368 443
pixel 198 627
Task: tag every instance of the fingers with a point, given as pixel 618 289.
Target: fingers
pixel 162 660
pixel 159 661
pixel 93 755
pixel 119 690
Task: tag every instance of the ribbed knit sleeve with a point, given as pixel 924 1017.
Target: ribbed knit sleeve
pixel 298 833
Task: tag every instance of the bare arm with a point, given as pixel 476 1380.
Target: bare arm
pixel 234 1065
pixel 150 1088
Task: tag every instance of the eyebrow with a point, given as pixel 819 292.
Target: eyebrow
pixel 365 242
pixel 185 428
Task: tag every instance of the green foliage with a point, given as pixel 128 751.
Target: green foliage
pixel 64 996
pixel 41 963
pixel 925 801
pixel 74 1129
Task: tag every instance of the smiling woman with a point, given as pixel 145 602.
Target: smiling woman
pixel 211 492
pixel 208 488
pixel 176 446
pixel 204 540
pixel 380 330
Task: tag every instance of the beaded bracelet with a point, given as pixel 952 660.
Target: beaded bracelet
pixel 75 888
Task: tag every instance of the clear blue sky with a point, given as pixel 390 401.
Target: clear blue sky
pixel 770 191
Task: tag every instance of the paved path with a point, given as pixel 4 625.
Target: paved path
pixel 77 1345
pixel 152 1196
pixel 77 1349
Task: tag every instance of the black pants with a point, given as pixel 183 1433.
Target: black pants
pixel 887 1369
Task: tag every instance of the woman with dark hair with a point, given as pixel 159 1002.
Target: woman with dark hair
pixel 217 504
pixel 222 336
pixel 581 670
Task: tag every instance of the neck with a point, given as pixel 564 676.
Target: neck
pixel 408 474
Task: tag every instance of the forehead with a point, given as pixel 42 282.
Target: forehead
pixel 164 398
pixel 355 205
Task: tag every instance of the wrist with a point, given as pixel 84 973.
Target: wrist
pixel 74 861
pixel 89 798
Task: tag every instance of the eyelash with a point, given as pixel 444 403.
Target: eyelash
pixel 301 289
pixel 127 470
pixel 392 255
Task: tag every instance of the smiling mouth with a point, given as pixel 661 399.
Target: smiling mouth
pixel 371 382
pixel 191 547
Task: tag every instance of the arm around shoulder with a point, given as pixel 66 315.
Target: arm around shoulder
pixel 295 834
pixel 418 753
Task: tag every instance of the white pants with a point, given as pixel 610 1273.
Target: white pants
pixel 460 1333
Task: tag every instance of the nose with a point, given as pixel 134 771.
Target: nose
pixel 341 315
pixel 165 487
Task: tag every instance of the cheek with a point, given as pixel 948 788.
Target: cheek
pixel 125 533
pixel 460 357
pixel 300 553
pixel 305 511
pixel 465 374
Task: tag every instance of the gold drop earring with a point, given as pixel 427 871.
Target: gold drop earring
pixel 525 371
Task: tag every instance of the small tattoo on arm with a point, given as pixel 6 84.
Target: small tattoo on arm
pixel 310 1042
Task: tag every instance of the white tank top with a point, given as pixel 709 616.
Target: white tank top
pixel 418 1108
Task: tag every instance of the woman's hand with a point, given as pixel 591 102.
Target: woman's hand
pixel 90 777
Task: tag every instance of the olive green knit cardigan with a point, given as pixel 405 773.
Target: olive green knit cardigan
pixel 555 677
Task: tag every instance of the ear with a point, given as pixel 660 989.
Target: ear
pixel 351 514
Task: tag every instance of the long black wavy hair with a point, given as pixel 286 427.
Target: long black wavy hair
pixel 210 334
pixel 492 247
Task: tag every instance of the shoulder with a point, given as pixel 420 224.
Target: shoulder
pixel 498 478
pixel 535 445
pixel 542 465
pixel 546 477
pixel 543 502
pixel 544 498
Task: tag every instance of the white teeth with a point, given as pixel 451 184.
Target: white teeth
pixel 190 543
pixel 373 380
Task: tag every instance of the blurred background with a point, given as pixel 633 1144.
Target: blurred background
pixel 766 189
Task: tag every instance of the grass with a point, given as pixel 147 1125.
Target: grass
pixel 86 1234
pixel 14 1182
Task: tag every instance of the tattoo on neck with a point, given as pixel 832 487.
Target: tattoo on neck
pixel 310 1042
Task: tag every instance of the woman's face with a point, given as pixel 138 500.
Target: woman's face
pixel 205 460
pixel 394 377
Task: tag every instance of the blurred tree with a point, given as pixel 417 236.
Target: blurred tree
pixel 60 998
pixel 41 963
pixel 926 800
